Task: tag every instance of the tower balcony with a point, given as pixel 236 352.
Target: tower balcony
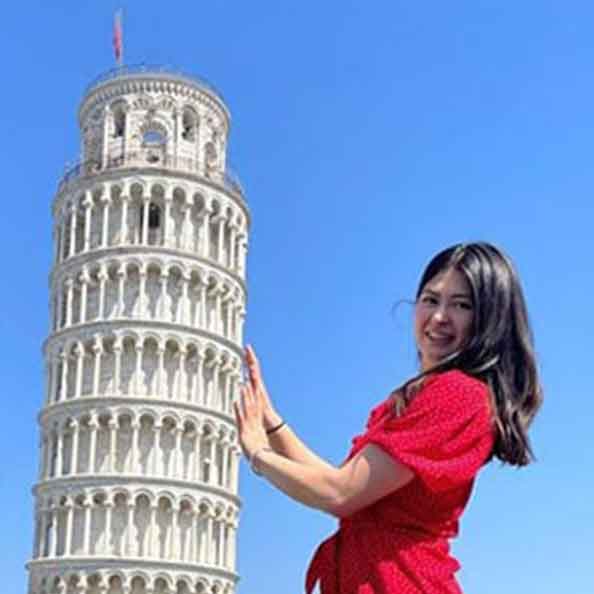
pixel 150 158
pixel 160 71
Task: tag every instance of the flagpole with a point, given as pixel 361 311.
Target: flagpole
pixel 118 38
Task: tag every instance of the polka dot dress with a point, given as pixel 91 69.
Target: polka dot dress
pixel 400 544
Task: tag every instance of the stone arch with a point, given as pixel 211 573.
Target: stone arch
pixel 95 581
pixel 102 459
pixel 119 109
pixel 121 498
pixel 130 340
pixel 162 583
pixel 196 222
pixel 165 504
pixel 190 122
pixel 116 189
pixel 156 224
pixel 166 103
pixel 147 440
pixel 99 539
pixel 111 305
pixel 132 267
pixel 154 269
pixel 139 581
pixel 124 411
pixel 125 419
pixel 142 102
pixel 166 442
pixel 175 266
pixel 179 204
pixel 115 582
pixel 155 123
pixel 73 581
pixel 170 416
pixel 183 585
pixel 173 292
pixel 144 492
pixel 205 505
pixel 210 157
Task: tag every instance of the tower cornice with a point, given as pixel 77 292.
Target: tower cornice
pixel 151 79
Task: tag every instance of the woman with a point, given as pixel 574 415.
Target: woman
pixel 407 478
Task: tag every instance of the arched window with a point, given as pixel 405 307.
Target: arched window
pixel 119 122
pixel 154 221
pixel 153 138
pixel 189 124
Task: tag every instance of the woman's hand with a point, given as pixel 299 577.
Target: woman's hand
pixel 250 421
pixel 270 416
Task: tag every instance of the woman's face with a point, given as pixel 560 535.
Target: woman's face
pixel 443 317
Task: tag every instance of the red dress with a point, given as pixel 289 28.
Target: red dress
pixel 399 544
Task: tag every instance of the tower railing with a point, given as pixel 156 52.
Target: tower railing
pixel 150 69
pixel 150 158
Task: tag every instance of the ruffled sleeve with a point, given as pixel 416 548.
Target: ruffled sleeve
pixel 445 434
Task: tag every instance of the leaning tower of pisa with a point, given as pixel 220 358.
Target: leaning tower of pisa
pixel 138 476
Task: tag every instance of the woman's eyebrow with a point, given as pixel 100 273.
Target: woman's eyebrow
pixel 453 295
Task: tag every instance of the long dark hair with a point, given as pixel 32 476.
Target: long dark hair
pixel 500 351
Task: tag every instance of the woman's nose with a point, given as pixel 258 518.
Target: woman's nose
pixel 440 314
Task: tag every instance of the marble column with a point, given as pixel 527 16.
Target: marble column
pixel 94 428
pixel 166 220
pixel 124 227
pixel 182 379
pixel 88 527
pixel 231 260
pixel 221 243
pixel 73 224
pixel 98 351
pixel 152 530
pixel 113 435
pixel 69 298
pixel 64 379
pixel 106 201
pixel 108 524
pixel 145 219
pixel 138 371
pixel 75 443
pixel 117 350
pixel 69 522
pixel 59 471
pixel 80 366
pixel 103 276
pixel 142 296
pixel 129 528
pixel 63 221
pixel 85 279
pixel 135 447
pixel 54 532
pixel 88 205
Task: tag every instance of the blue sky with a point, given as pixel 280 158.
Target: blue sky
pixel 368 136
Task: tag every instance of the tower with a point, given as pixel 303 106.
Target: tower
pixel 138 476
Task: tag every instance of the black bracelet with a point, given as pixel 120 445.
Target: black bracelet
pixel 271 431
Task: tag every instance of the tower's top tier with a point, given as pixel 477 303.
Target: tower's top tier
pixel 153 115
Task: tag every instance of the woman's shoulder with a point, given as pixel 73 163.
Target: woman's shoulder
pixel 455 383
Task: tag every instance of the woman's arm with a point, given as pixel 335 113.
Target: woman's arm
pixel 284 441
pixel 370 475
pixel 367 477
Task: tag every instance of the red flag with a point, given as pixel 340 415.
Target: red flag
pixel 117 37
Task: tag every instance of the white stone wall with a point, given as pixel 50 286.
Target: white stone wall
pixel 138 460
pixel 193 219
pixel 191 126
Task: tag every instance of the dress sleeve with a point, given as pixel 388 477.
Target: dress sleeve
pixel 445 434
